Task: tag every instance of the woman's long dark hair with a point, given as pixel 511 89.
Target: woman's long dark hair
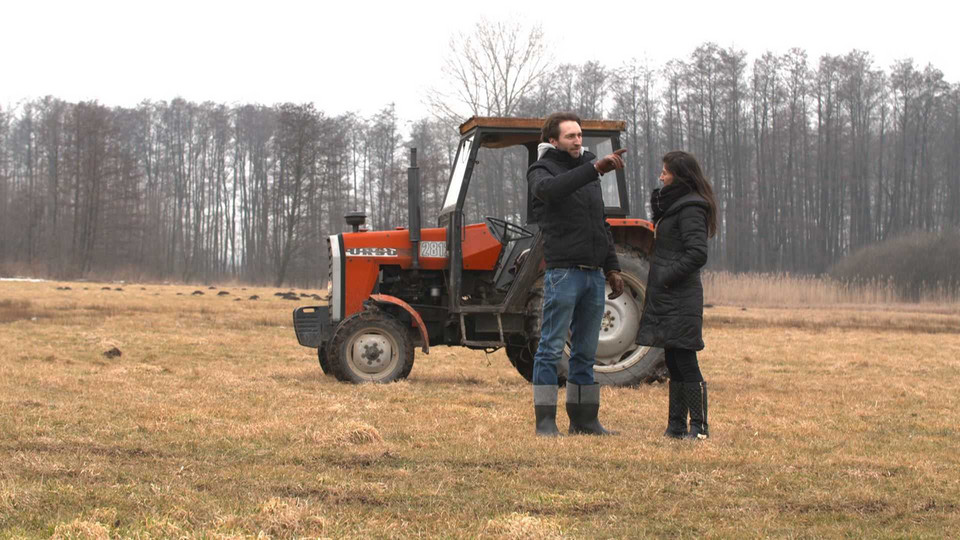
pixel 685 168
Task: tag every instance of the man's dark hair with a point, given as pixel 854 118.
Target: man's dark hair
pixel 551 126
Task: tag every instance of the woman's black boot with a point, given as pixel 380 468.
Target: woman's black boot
pixel 676 412
pixel 695 398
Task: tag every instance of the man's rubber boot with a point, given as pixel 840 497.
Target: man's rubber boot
pixel 676 412
pixel 583 405
pixel 695 398
pixel 545 408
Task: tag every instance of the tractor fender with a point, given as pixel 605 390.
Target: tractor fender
pixel 636 233
pixel 387 299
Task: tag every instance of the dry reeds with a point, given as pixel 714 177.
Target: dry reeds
pixel 782 290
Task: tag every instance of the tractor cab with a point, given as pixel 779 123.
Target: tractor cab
pixel 476 279
pixel 489 174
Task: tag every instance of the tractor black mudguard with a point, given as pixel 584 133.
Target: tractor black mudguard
pixel 312 325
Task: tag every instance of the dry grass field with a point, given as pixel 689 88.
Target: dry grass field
pixel 213 422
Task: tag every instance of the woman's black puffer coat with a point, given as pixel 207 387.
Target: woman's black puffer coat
pixel 673 308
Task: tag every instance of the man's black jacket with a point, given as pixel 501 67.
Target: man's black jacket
pixel 568 204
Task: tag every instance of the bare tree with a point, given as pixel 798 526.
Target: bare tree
pixel 860 92
pixel 435 144
pixel 674 128
pixel 632 87
pixel 591 87
pixel 490 70
pixel 952 149
pixel 6 225
pixel 297 146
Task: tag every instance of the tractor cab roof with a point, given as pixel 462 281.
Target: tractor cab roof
pixel 484 132
pixel 503 132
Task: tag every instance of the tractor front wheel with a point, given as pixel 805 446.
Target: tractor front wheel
pixel 371 346
pixel 322 357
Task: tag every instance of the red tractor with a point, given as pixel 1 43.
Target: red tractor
pixel 476 284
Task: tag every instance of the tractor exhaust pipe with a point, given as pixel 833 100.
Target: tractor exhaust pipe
pixel 413 208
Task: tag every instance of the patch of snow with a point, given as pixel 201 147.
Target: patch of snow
pixel 28 280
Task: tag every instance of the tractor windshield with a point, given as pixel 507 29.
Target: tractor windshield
pixel 498 185
pixel 602 146
pixel 459 171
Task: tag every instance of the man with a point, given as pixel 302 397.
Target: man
pixel 579 251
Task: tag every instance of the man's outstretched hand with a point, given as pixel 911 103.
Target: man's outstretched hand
pixel 610 162
pixel 616 284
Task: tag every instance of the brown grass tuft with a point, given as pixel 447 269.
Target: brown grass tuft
pixel 161 528
pixel 80 529
pixel 284 517
pixel 8 496
pixel 522 526
pixel 359 434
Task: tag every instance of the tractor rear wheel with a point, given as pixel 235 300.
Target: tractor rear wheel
pixel 371 346
pixel 619 361
pixel 521 356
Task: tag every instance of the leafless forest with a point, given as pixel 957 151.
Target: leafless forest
pixel 811 159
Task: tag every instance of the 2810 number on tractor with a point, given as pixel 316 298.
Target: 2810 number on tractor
pixel 472 284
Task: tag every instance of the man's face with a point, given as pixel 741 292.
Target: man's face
pixel 571 138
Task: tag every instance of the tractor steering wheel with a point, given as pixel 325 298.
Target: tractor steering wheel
pixel 505 232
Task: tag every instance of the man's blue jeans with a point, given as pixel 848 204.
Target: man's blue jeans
pixel 572 301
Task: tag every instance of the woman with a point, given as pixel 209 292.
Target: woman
pixel 685 215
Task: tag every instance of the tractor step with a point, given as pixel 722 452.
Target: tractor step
pixel 481 309
pixel 484 344
pixel 480 343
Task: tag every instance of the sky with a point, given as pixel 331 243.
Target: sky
pixel 360 56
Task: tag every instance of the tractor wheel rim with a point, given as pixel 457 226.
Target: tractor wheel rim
pixel 373 354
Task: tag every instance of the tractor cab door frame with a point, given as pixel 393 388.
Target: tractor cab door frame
pixel 451 215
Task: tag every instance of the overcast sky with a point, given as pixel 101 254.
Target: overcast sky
pixel 361 55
